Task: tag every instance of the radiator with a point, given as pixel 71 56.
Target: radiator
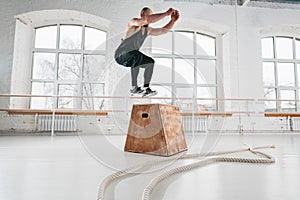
pixel 295 124
pixel 196 123
pixel 63 123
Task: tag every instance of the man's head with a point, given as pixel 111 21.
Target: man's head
pixel 145 12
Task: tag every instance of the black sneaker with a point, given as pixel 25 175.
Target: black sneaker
pixel 149 92
pixel 136 91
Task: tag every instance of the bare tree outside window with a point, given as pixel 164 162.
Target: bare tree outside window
pixel 281 73
pixel 187 65
pixel 75 68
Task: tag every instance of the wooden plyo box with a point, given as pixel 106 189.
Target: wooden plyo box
pixel 155 129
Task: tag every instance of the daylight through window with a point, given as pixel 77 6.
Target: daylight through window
pixel 68 60
pixel 281 70
pixel 186 62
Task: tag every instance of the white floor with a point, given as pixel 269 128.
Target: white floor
pixel 71 168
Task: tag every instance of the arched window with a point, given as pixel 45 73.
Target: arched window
pixel 281 72
pixel 186 64
pixel 59 52
pixel 68 60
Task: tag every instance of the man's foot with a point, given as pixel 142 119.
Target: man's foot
pixel 136 91
pixel 149 92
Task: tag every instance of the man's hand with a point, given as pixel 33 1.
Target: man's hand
pixel 167 27
pixel 170 11
pixel 175 15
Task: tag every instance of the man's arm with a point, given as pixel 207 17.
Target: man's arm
pixel 158 16
pixel 150 19
pixel 166 28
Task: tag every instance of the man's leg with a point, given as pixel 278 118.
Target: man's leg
pixel 148 71
pixel 130 59
pixel 135 59
pixel 146 62
pixel 143 61
pixel 134 75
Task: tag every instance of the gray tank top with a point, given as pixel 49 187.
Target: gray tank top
pixel 134 42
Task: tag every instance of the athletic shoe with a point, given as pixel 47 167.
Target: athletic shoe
pixel 149 92
pixel 136 91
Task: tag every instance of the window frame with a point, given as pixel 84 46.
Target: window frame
pixel 77 104
pixel 275 60
pixel 195 56
pixel 23 39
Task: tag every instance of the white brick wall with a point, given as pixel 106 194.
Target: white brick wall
pixel 252 22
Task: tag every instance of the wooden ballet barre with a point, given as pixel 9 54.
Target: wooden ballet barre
pixel 224 114
pixel 287 115
pixel 282 114
pixel 56 112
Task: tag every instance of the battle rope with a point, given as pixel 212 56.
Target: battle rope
pixel 154 182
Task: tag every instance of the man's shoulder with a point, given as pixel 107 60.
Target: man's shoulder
pixel 132 26
pixel 132 23
pixel 135 19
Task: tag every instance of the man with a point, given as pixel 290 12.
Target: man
pixel 128 54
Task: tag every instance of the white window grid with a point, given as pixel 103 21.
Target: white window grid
pixel 57 51
pixel 277 88
pixel 172 55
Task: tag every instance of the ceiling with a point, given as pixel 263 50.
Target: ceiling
pixel 280 1
pixel 276 4
pixel 240 1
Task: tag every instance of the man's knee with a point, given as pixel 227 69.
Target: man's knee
pixel 152 60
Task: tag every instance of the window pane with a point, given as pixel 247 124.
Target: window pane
pixel 93 67
pixel 206 92
pixel 94 39
pixel 66 102
pixel 298 72
pixel 162 44
pixel 206 45
pixel 284 47
pixel 270 94
pixel 286 75
pixel 206 72
pixel 184 105
pixel 267 47
pixel 43 66
pixel 38 88
pixel 45 37
pixel 298 48
pixel 163 91
pixel 184 71
pixel 290 96
pixel 90 89
pixel 298 100
pixel 70 37
pixel 162 71
pixel 184 43
pixel 184 92
pixel 268 74
pixel 69 66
